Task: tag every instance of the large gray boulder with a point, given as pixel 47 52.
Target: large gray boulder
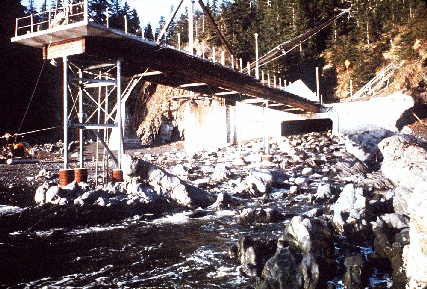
pixel 304 258
pixel 350 210
pixel 164 183
pixel 405 162
pixel 415 254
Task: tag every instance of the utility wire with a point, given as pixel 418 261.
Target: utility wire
pixel 32 96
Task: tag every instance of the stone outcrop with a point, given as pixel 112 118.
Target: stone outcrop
pixel 303 258
pixel 405 164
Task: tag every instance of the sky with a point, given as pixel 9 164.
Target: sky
pixel 148 10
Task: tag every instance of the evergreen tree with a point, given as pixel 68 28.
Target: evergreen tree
pixel 98 10
pixel 117 19
pixel 133 22
pixel 148 32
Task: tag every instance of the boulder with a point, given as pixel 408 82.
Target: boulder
pixel 405 162
pixel 355 276
pixel 224 201
pixel 220 173
pixel 260 216
pixel 391 235
pixel 350 211
pixel 164 184
pixel 415 254
pixel 304 258
pixel 282 271
pixel 401 200
pixel 40 196
pixel 172 187
pixel 252 254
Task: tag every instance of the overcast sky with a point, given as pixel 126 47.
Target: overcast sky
pixel 148 10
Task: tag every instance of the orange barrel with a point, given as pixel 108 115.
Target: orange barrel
pixel 267 158
pixel 65 177
pixel 117 175
pixel 80 175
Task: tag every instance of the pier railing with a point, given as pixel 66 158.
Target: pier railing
pixel 72 13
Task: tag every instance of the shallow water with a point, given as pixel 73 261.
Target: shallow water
pixel 175 251
pixel 172 252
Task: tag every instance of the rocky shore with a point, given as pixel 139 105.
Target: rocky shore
pixel 358 204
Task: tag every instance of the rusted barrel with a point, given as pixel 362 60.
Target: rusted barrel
pixel 80 175
pixel 267 158
pixel 117 175
pixel 66 176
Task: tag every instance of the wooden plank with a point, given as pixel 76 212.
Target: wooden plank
pixel 66 48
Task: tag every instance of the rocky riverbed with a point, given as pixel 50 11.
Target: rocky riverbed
pixel 320 211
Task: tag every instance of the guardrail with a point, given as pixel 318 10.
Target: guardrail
pixel 72 13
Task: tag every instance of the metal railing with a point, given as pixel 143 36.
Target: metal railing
pixel 72 13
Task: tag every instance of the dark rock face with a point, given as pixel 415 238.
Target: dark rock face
pixel 355 276
pixel 304 258
pixel 389 243
pixel 252 254
pixel 281 271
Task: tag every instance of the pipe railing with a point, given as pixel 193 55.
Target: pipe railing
pixel 78 12
pixel 51 18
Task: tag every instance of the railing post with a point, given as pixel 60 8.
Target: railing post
pixel 66 14
pixel 248 67
pixel 107 20
pixel 32 23
pixel 256 56
pixel 179 41
pixel 86 11
pixel 16 27
pixel 126 24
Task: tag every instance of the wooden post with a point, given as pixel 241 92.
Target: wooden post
pixel 223 58
pixel 179 41
pixel 256 56
pixel 107 20
pixel 275 81
pixel 232 61
pixel 16 27
pixel 241 65
pixel 248 66
pixel 280 83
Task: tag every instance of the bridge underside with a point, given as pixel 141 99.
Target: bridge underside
pixel 90 44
